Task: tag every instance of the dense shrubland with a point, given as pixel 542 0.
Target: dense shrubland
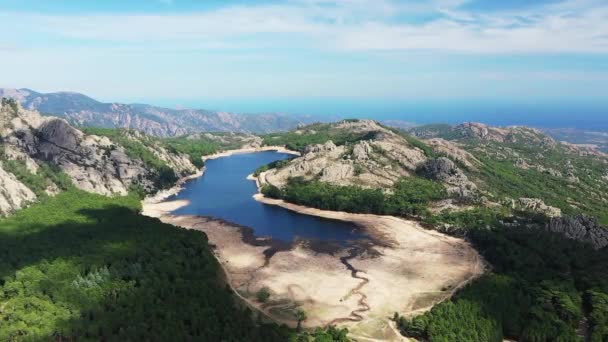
pixel 194 148
pixel 86 267
pixel 318 133
pixel 503 179
pixel 198 146
pixel 277 164
pixel 529 164
pixel 410 196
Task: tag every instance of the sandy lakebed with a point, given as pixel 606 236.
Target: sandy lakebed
pixel 405 268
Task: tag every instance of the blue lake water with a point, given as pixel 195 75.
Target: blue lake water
pixel 224 192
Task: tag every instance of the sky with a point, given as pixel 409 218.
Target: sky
pixel 345 57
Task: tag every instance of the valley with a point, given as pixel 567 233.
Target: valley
pixel 472 231
pixel 304 171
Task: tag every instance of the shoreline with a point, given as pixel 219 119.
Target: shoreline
pixel 149 201
pixel 406 268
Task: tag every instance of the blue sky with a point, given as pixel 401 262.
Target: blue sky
pixel 241 55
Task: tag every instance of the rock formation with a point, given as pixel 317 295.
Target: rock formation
pixel 13 194
pixel 581 228
pixel 379 160
pixel 536 205
pixel 93 163
pixel 444 170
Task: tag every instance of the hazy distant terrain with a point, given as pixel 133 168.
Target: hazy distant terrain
pixel 579 136
pixel 82 110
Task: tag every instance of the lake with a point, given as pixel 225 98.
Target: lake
pixel 224 192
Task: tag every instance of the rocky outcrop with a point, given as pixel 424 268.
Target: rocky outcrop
pixel 329 146
pixel 377 161
pixel 444 170
pixel 524 164
pixel 362 151
pixel 14 195
pixel 93 163
pixel 580 228
pixel 454 152
pixel 535 205
pixel 481 131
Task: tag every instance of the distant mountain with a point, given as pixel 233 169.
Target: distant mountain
pixel 82 110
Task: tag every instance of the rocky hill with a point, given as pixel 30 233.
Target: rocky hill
pixel 81 110
pixel 517 169
pixel 41 156
pixel 367 154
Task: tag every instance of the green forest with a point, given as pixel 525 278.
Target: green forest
pixel 540 288
pixel 86 267
pixel 197 146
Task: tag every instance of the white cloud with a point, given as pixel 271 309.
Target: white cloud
pixel 579 26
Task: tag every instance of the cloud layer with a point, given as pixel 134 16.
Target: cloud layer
pixel 574 26
pixel 429 49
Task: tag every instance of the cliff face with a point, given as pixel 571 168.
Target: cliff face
pixel 92 163
pixel 81 110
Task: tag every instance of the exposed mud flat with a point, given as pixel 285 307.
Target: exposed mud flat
pixel 360 287
pixel 408 272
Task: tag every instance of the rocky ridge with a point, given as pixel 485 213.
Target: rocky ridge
pixel 81 110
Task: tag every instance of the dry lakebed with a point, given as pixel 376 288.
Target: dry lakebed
pixel 357 274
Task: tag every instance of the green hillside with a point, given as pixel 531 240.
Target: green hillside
pixel 86 267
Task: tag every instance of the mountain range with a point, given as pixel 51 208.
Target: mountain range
pixel 81 110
